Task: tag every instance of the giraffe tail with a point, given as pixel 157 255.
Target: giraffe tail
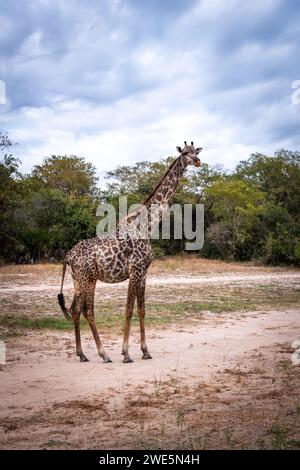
pixel 60 296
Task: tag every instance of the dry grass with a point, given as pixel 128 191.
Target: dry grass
pixel 179 264
pixel 40 310
pixel 166 304
pixel 232 411
pixel 195 265
pixel 253 404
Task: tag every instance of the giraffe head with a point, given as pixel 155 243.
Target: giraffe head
pixel 190 154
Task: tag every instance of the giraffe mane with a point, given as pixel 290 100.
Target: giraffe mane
pixel 131 216
pixel 161 181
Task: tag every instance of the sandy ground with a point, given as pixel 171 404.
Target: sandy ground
pixel 223 381
pixel 22 281
pixel 168 280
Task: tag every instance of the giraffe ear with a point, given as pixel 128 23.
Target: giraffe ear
pixel 179 149
pixel 198 150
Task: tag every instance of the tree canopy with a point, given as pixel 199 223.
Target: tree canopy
pixel 250 212
pixel 71 175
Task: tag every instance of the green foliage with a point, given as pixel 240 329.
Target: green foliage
pixel 237 207
pixel 9 194
pixel 297 251
pixel 278 177
pixel 252 212
pixel 69 174
pixel 44 214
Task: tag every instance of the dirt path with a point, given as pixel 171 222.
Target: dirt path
pixel 42 368
pixel 226 278
pixel 216 380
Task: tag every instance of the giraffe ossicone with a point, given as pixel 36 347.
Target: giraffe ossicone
pixel 115 258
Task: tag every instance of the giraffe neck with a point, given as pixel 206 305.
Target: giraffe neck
pixel 164 191
pixel 156 204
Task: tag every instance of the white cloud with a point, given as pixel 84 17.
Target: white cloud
pixel 145 127
pixel 128 81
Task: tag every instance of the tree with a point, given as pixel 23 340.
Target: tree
pixel 251 212
pixel 5 142
pixel 138 179
pixel 237 207
pixel 278 177
pixel 137 182
pixel 9 194
pixel 71 175
pixel 51 223
pixel 45 213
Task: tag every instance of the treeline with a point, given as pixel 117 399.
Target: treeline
pixel 250 213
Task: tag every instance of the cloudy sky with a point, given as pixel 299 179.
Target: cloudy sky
pixel 119 81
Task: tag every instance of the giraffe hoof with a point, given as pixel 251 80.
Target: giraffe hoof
pixel 107 360
pixel 146 356
pixel 84 359
pixel 126 360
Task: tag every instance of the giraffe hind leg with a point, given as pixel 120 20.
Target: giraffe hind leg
pixel 75 312
pixel 88 312
pixel 131 295
pixel 141 315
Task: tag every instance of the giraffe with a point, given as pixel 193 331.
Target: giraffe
pixel 113 259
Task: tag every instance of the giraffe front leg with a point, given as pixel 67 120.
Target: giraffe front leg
pixel 141 315
pixel 128 315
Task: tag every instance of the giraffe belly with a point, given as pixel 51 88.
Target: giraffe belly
pixel 112 271
pixel 111 278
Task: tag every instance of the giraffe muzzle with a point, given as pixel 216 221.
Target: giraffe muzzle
pixel 197 162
